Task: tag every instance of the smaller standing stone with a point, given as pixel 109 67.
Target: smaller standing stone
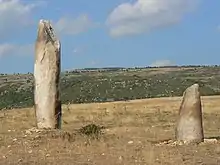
pixel 189 127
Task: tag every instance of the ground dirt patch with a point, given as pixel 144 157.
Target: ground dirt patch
pixel 131 132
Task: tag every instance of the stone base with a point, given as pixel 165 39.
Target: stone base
pixel 179 143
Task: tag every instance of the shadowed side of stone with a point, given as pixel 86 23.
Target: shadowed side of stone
pixel 189 128
pixel 47 77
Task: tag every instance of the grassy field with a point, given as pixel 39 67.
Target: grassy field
pixel 133 134
pixel 16 91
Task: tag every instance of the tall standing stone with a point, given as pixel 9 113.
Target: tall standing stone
pixel 47 77
pixel 189 127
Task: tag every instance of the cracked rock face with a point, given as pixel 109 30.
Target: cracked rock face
pixel 47 77
pixel 189 128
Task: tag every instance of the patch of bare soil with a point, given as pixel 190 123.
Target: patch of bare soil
pixel 120 133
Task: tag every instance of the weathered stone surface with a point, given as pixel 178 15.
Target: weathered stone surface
pixel 189 127
pixel 47 77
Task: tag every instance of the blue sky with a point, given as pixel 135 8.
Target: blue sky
pixel 100 33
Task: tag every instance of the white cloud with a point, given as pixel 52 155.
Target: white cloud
pixel 18 50
pixel 94 62
pixel 14 15
pixel 142 16
pixel 75 50
pixel 73 26
pixel 162 63
pixel 79 50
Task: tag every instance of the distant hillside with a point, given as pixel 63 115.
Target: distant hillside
pixel 113 84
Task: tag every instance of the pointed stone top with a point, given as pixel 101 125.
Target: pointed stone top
pixel 46 33
pixel 192 93
pixel 44 21
pixel 193 88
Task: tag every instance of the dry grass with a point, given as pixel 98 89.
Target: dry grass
pixel 132 129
